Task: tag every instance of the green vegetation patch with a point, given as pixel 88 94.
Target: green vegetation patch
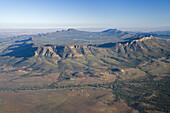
pixel 145 94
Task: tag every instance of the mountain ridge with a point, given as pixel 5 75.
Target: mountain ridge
pixel 73 36
pixel 134 69
pixel 140 48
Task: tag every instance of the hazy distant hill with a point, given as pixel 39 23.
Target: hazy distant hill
pixel 73 36
pixel 161 35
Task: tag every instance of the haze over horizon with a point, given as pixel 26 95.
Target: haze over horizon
pixel 121 14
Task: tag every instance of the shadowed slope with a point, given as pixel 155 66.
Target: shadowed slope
pixel 23 50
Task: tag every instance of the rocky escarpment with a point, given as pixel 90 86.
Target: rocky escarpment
pixel 139 47
pixel 63 51
pixel 91 60
pixel 129 42
pixel 131 52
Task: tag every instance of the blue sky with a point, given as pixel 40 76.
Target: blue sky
pixel 84 13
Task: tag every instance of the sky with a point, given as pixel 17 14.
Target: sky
pixel 84 13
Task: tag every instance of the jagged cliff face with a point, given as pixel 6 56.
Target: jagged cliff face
pixel 56 58
pixel 142 46
pixel 128 49
pixel 62 51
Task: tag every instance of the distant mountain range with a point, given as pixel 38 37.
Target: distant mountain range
pixel 76 37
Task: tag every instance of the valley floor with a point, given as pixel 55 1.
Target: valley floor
pixel 67 100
